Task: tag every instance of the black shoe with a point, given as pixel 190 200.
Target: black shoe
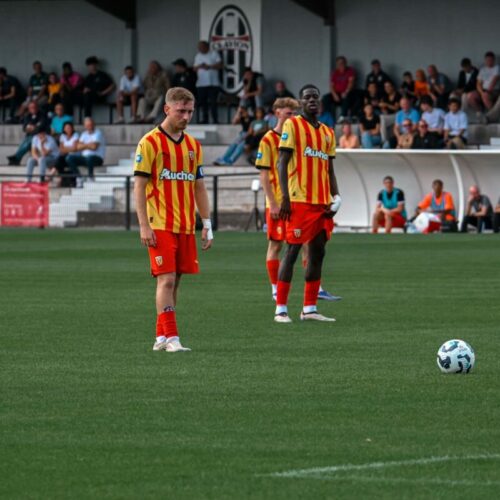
pixel 13 161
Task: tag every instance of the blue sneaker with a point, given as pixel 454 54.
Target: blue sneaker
pixel 324 295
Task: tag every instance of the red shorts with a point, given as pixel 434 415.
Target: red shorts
pixel 306 222
pixel 174 253
pixel 397 220
pixel 275 227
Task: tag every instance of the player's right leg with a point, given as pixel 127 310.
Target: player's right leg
pixel 285 276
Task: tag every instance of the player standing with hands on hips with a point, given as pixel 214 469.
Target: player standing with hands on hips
pixel 168 188
pixel 310 200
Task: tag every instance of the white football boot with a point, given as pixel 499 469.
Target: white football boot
pixel 314 316
pixel 174 345
pixel 282 318
pixel 160 345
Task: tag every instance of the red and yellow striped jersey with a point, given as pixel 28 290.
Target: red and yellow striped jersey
pixel 308 179
pixel 267 159
pixel 173 168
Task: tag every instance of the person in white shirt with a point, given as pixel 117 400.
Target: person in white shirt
pixel 455 126
pixel 129 92
pixel 68 142
pixel 207 64
pixel 90 151
pixel 487 87
pixel 44 152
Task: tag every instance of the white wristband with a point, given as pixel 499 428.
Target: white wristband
pixel 207 224
pixel 336 203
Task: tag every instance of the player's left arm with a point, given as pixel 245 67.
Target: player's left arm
pixel 203 206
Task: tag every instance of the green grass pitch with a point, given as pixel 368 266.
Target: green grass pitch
pixel 87 410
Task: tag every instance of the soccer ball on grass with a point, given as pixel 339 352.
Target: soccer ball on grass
pixel 456 356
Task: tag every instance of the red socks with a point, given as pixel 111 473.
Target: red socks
pixel 272 270
pixel 311 290
pixel 166 324
pixel 283 291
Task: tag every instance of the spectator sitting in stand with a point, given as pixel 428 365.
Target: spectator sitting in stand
pixel 424 139
pixel 129 92
pixel 253 86
pixel 405 113
pixel 97 86
pixel 326 117
pixel 439 86
pixel 421 86
pixel 342 92
pixel 389 104
pixel 408 86
pixel 496 217
pixel 373 97
pixel 72 88
pixel 54 91
pixel 90 151
pixel 434 117
pixel 44 152
pixel 207 64
pixel 478 213
pixel 390 209
pixel 487 89
pixel 11 94
pixel 33 122
pixel 68 142
pixel 156 84
pixel 58 120
pixel 370 128
pixel 37 88
pixel 455 126
pixel 467 80
pixel 184 76
pixel 257 130
pixel 348 140
pixel 280 90
pixel 377 76
pixel 235 150
pixel 405 140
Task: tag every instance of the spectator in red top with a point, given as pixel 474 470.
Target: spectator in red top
pixel 72 88
pixel 342 93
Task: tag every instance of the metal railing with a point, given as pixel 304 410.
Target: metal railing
pixel 106 195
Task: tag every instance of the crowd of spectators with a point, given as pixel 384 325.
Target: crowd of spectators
pixel 429 111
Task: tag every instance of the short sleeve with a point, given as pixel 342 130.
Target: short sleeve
pixel 448 202
pixel 263 160
pixel 199 162
pixel 144 157
pixel 379 197
pixel 287 140
pixel 426 202
pixel 122 83
pixel 401 196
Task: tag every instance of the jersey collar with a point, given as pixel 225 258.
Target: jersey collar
pixel 164 132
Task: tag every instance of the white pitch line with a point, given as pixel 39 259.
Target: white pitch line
pixel 430 480
pixel 380 465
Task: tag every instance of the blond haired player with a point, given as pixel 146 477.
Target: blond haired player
pixel 267 163
pixel 168 188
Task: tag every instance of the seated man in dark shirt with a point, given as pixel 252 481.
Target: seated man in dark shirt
pixel 184 76
pixel 34 121
pixel 424 139
pixel 11 93
pixel 479 212
pixel 390 210
pixel 377 76
pixel 97 86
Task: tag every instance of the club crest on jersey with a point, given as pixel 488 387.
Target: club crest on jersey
pixel 297 233
pixel 315 153
pixel 191 155
pixel 168 175
pixel 159 260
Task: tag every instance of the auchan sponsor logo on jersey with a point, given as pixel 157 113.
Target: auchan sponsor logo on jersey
pixel 315 153
pixel 168 175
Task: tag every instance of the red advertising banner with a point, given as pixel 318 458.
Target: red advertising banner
pixel 24 204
